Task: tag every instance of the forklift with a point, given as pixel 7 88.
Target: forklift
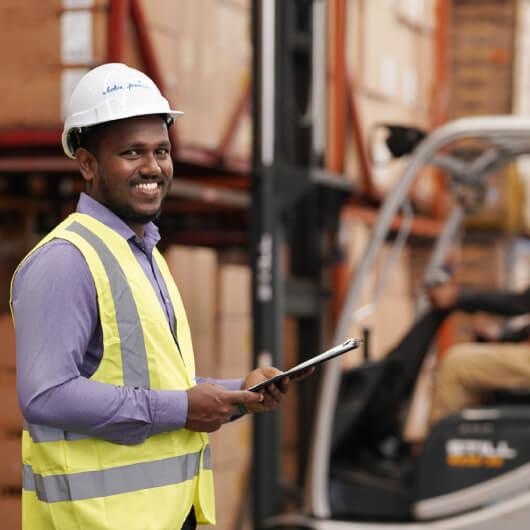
pixel 349 421
pixel 473 472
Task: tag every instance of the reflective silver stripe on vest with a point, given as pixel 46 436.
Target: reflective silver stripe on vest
pixel 113 481
pixel 43 433
pixel 207 458
pixel 133 354
pixel 28 480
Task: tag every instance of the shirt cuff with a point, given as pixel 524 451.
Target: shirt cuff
pixel 232 384
pixel 170 410
pixel 229 384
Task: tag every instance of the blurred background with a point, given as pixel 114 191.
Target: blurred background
pixel 281 166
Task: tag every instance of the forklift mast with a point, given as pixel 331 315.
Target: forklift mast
pixel 295 209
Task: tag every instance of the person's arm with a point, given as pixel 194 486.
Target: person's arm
pixel 55 310
pixel 450 297
pixel 496 302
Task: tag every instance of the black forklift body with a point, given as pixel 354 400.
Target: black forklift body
pixel 473 446
pixel 373 475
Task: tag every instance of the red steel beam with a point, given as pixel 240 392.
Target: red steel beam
pixel 421 226
pixel 30 137
pixel 117 28
pixel 29 164
pixel 147 50
pixel 337 86
pixel 240 107
pixel 203 157
pixel 440 100
pixel 367 185
pixel 439 115
pixel 150 60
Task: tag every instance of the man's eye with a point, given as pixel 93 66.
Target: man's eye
pixel 130 152
pixel 162 151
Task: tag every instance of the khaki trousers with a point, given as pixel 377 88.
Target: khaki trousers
pixel 469 371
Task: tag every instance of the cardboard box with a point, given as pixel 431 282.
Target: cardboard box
pixel 234 295
pixel 195 272
pixel 7 337
pixel 10 464
pixel 481 49
pixel 390 61
pixel 234 344
pixel 11 510
pixel 232 443
pixel 231 488
pixel 203 349
pixel 11 418
pixel 394 312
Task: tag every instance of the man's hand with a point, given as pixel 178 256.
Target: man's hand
pixel 210 405
pixel 444 296
pixel 487 329
pixel 274 393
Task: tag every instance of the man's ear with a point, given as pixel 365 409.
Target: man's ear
pixel 87 164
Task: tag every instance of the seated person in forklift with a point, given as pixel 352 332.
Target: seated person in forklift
pixel 468 372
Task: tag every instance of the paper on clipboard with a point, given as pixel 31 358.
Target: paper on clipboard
pixel 346 346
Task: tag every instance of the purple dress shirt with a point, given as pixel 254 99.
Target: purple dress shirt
pixel 60 344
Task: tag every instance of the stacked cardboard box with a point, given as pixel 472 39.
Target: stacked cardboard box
pixel 194 270
pixel 481 55
pixel 232 445
pixel 520 205
pixel 217 298
pixel 389 56
pixel 203 49
pixel 482 70
pixel 10 431
pixel 395 308
pixel 480 265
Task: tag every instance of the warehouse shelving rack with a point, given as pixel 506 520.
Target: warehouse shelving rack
pixel 211 186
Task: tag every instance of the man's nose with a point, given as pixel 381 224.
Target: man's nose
pixel 150 165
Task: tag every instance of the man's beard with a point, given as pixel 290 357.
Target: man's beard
pixel 124 211
pixel 128 215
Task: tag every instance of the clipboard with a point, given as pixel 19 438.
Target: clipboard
pixel 340 349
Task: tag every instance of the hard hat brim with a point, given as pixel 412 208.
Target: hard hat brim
pixel 65 140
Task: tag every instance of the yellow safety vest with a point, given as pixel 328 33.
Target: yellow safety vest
pixel 75 482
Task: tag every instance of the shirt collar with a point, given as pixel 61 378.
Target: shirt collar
pixel 98 211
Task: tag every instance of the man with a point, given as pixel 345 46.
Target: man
pixel 115 419
pixel 469 371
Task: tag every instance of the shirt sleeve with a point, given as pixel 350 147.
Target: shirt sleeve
pixel 516 335
pixel 55 313
pixel 496 302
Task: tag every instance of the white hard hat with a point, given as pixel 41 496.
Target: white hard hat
pixel 111 92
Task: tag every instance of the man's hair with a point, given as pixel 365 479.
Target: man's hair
pixel 88 137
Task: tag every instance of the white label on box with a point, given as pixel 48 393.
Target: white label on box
pixel 410 86
pixel 76 37
pixel 72 4
pixel 416 10
pixel 69 79
pixel 388 75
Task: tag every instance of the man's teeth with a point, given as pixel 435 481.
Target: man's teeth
pixel 147 186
